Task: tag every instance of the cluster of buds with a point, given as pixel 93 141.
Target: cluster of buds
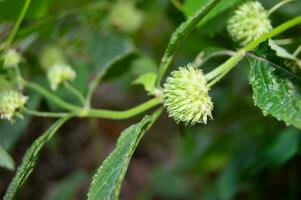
pixel 126 17
pixel 59 73
pixel 186 96
pixel 11 59
pixel 250 21
pixel 10 103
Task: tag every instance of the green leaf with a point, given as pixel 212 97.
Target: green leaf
pixel 191 6
pixel 148 80
pixel 275 91
pixel 107 181
pixel 29 161
pixel 181 33
pixel 6 160
pixel 66 189
pixel 283 147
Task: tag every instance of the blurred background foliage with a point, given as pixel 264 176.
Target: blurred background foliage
pixel 239 155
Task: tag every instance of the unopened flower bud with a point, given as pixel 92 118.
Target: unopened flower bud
pixel 11 58
pixel 186 96
pixel 10 102
pixel 126 17
pixel 250 21
pixel 59 73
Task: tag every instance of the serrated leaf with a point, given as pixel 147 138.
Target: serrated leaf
pixel 6 160
pixel 107 181
pixel 29 161
pixel 148 80
pixel 275 91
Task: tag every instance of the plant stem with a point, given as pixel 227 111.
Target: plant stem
pixel 74 91
pixel 177 4
pixel 280 4
pixel 224 68
pixel 297 51
pixel 44 114
pixel 108 114
pixel 60 102
pixel 13 33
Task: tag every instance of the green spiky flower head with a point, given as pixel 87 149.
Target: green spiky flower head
pixel 250 21
pixel 10 103
pixel 186 96
pixel 59 73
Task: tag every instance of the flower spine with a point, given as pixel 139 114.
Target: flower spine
pixel 59 73
pixel 250 21
pixel 10 102
pixel 186 96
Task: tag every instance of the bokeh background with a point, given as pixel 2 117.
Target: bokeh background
pixel 241 154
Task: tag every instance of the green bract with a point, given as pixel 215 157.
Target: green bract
pixel 59 73
pixel 186 96
pixel 10 102
pixel 250 21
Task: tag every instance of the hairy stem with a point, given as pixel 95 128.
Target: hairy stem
pixel 44 114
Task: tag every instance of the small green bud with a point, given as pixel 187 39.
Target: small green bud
pixel 126 17
pixel 10 102
pixel 186 96
pixel 59 73
pixel 11 59
pixel 250 21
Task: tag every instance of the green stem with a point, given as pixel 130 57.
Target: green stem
pixel 18 23
pixel 297 51
pixel 280 4
pixel 74 91
pixel 177 4
pixel 108 114
pixel 52 97
pixel 223 69
pixel 44 114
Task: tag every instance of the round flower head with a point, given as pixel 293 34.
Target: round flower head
pixel 59 73
pixel 11 59
pixel 10 102
pixel 250 21
pixel 126 17
pixel 186 96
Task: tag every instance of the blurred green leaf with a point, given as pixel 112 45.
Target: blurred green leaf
pixel 66 189
pixel 107 181
pixel 274 90
pixel 6 160
pixel 148 80
pixel 283 147
pixel 191 6
pixel 29 161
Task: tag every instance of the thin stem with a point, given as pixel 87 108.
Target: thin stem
pixel 13 33
pixel 44 114
pixel 297 51
pixel 177 4
pixel 198 64
pixel 74 91
pixel 280 4
pixel 52 97
pixel 108 114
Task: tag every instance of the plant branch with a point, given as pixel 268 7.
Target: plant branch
pixel 44 114
pixel 74 91
pixel 13 33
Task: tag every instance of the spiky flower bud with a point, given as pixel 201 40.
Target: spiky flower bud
pixel 186 96
pixel 10 102
pixel 11 58
pixel 250 21
pixel 126 17
pixel 59 73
